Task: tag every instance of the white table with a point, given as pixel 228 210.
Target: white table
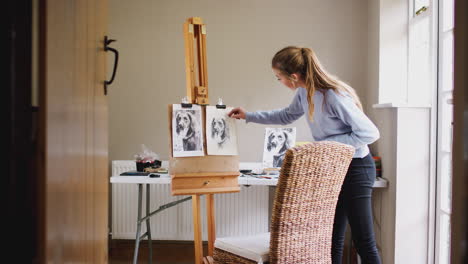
pixel 245 180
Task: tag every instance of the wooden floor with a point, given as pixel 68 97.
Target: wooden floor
pixel 169 252
pixel 164 252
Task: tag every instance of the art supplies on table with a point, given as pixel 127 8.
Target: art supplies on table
pixel 147 159
pixel 156 170
pixel 268 174
pixel 140 173
pixel 149 171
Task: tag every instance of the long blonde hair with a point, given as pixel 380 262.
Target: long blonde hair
pixel 294 59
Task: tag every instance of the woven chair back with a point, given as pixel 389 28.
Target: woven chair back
pixel 305 202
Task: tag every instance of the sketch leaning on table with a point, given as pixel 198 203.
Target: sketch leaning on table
pixel 277 141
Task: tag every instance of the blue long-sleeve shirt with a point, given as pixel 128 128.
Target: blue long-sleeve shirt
pixel 339 119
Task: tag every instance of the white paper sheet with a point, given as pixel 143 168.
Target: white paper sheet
pixel 277 141
pixel 187 131
pixel 221 132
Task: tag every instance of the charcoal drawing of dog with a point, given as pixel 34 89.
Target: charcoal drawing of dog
pixel 188 131
pixel 278 143
pixel 219 131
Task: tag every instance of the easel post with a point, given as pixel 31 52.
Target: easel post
pixel 197 225
pixel 195 33
pixel 197 228
pixel 210 216
pixel 200 175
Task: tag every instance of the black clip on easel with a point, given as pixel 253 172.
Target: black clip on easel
pixel 185 103
pixel 220 104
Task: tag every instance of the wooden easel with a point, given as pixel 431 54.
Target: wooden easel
pixel 195 34
pixel 204 175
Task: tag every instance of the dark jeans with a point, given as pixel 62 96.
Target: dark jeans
pixel 354 205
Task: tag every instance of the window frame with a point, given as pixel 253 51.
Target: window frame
pixel 442 94
pixel 432 14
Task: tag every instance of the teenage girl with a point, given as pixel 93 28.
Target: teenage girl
pixel 334 113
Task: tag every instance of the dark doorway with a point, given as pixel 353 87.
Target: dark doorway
pixel 21 171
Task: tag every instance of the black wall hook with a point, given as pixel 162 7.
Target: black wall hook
pixel 108 41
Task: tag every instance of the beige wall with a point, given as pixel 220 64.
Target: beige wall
pixel 242 36
pixel 373 31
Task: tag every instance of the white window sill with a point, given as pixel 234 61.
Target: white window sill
pixel 398 105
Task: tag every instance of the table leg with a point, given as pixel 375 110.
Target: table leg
pixel 210 215
pixel 148 228
pixel 197 234
pixel 138 233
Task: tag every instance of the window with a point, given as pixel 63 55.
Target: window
pixel 421 80
pixel 444 131
pixel 430 80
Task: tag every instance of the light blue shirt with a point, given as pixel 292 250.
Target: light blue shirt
pixel 338 119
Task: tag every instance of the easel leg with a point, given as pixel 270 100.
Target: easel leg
pixel 210 216
pixel 197 234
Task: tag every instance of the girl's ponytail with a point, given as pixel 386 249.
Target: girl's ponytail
pixel 309 79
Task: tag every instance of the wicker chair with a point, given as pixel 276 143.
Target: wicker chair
pixel 303 211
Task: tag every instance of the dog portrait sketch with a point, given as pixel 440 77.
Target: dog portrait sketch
pixel 277 141
pixel 187 131
pixel 221 132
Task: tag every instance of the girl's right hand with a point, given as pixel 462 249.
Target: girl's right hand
pixel 237 113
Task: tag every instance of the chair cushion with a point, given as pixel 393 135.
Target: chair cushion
pixel 255 247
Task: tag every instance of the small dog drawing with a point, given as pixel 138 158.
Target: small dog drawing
pixel 278 143
pixel 187 130
pixel 219 131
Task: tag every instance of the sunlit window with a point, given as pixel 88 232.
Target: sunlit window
pixel 444 131
pixel 421 55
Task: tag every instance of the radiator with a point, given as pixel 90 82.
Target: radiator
pixel 237 214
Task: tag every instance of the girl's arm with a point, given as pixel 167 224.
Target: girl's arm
pixel 283 116
pixel 363 131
